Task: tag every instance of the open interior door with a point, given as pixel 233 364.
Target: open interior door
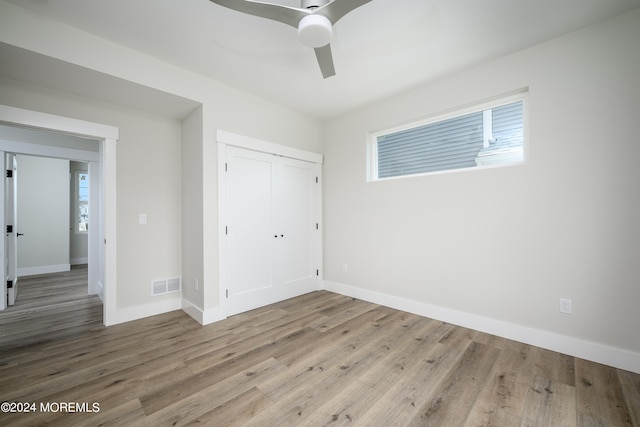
pixel 10 216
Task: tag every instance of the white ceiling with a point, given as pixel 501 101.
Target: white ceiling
pixel 381 48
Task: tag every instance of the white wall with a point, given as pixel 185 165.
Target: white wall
pixel 43 215
pixel 497 248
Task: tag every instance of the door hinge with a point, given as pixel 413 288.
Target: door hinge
pixel 226 167
pixel 317 272
pixel 317 226
pixel 227 293
pixel 316 179
pixel 9 284
pixel 226 230
pixel 9 228
pixel 9 173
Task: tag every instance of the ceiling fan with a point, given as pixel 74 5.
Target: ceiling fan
pixel 314 20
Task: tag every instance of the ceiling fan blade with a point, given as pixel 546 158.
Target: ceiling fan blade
pixel 338 8
pixel 285 14
pixel 325 60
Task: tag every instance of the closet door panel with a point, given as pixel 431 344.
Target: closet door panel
pixel 251 243
pixel 296 182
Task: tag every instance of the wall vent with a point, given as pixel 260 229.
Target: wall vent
pixel 166 286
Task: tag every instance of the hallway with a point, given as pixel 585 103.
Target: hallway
pixel 41 298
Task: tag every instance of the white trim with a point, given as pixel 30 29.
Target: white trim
pixel 203 317
pixel 109 228
pixel 49 151
pixel 192 310
pixel 600 353
pixel 99 290
pixel 140 311
pixel 213 315
pixel 222 222
pixel 45 121
pixel 78 261
pixel 108 135
pixel 255 144
pixel 43 269
pixel 3 242
pixel 94 244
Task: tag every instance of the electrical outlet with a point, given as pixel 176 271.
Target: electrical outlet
pixel 566 306
pixel 196 283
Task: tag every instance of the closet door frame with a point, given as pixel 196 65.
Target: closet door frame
pixel 227 139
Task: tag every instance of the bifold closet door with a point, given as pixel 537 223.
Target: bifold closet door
pixel 272 232
pixel 298 196
pixel 251 241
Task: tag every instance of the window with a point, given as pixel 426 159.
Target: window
pixel 488 135
pixel 82 202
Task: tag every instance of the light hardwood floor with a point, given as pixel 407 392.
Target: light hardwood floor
pixel 317 360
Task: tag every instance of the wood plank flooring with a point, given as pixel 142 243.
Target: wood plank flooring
pixel 321 359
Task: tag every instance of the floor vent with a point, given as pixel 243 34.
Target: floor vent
pixel 165 286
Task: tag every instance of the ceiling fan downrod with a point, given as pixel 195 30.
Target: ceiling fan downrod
pixel 313 4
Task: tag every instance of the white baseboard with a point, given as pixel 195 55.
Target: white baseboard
pixel 616 357
pixel 79 261
pixel 100 291
pixel 204 317
pixel 43 269
pixel 145 310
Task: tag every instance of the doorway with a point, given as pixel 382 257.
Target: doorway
pixel 102 237
pixel 51 224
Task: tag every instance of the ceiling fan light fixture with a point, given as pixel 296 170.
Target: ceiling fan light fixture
pixel 315 31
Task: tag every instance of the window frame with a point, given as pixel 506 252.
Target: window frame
pixel 372 142
pixel 76 218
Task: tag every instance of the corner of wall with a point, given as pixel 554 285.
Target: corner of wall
pixel 204 317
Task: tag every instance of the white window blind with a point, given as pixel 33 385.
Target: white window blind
pixel 488 136
pixel 450 144
pixel 507 124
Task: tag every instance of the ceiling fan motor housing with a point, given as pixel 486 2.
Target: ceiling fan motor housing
pixel 315 31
